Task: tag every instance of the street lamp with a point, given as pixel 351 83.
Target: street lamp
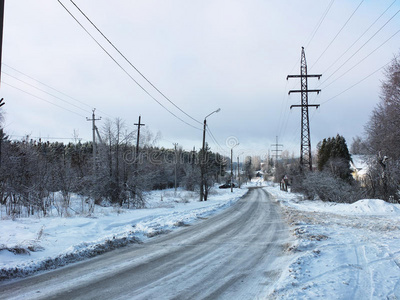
pixel 202 161
pixel 232 167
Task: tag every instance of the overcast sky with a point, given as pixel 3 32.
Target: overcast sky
pixel 203 55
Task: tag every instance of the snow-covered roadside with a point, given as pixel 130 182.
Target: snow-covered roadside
pixel 31 244
pixel 342 251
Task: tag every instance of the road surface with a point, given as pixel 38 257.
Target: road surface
pixel 236 254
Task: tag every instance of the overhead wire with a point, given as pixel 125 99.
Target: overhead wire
pixel 59 106
pixel 366 77
pixel 337 34
pixel 315 30
pixel 54 89
pixel 282 110
pixel 387 40
pixel 321 20
pixel 39 89
pixel 124 70
pixel 313 33
pixel 373 23
pixel 129 62
pixel 214 139
pixel 362 46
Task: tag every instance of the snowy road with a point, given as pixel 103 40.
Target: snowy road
pixel 236 254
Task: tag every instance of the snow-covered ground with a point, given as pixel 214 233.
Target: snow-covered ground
pixel 31 244
pixel 342 251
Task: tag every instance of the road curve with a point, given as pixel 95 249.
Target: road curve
pixel 232 255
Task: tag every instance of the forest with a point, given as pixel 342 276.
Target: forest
pixel 119 173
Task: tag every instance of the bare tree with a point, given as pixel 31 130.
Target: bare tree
pixel 383 136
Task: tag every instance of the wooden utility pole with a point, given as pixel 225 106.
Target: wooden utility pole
pixel 93 119
pixel 193 157
pixel 139 124
pixel 238 171
pixel 202 164
pixel 305 148
pixel 1 129
pixel 232 170
pixel 1 31
pixel 176 162
pixel 277 150
pixel 1 142
pixel 232 167
pixel 138 137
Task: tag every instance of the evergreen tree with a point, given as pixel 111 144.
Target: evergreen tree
pixel 334 156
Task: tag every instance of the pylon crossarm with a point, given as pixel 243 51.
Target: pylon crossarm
pixel 301 76
pixel 299 105
pixel 307 91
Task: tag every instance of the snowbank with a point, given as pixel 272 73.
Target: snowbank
pixel 342 251
pixel 361 207
pixel 373 207
pixel 31 244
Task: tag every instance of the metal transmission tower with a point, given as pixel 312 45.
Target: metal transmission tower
pixel 305 149
pixel 277 150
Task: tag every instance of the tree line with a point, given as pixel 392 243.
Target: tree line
pixel 31 172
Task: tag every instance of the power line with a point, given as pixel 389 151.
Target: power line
pixel 215 140
pixel 283 110
pixel 127 60
pixel 46 85
pixel 42 99
pixel 320 23
pixel 363 58
pixel 338 33
pixel 373 23
pixel 356 83
pixel 31 85
pixel 362 46
pixel 54 89
pixel 313 33
pixel 126 72
pixel 285 117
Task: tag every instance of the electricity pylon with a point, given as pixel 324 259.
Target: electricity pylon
pixel 305 148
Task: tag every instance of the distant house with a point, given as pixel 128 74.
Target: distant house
pixel 359 168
